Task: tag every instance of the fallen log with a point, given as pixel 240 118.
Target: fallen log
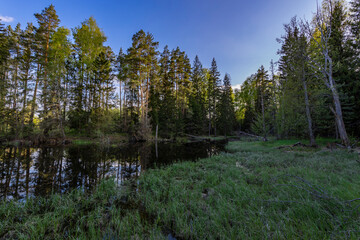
pixel 197 137
pixel 298 144
pixel 250 135
pixel 333 146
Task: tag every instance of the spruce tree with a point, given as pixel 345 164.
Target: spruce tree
pixel 226 119
pixel 213 96
pixel 167 109
pixel 102 88
pixel 351 86
pixel 197 99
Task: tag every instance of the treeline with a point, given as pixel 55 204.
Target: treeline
pixel 315 89
pixel 51 85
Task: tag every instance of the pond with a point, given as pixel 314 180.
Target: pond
pixel 27 172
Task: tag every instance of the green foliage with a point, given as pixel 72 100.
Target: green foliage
pixel 141 62
pixel 213 93
pixel 254 103
pixel 257 125
pixel 226 119
pixel 197 100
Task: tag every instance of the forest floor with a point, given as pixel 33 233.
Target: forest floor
pixel 254 191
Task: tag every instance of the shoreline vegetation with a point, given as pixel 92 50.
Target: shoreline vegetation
pixel 255 190
pixel 114 139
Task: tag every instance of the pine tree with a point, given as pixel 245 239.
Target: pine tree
pixel 26 68
pixel 48 22
pixel 16 52
pixel 122 77
pixel 4 84
pixel 179 73
pixel 48 82
pixel 142 61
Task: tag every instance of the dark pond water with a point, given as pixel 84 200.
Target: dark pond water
pixel 26 172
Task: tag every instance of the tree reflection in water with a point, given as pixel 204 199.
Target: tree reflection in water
pixel 26 172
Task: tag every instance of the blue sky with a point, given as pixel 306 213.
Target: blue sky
pixel 240 34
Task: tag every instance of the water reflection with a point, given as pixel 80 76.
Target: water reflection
pixel 28 172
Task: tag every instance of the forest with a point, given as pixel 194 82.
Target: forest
pixel 313 89
pixel 51 86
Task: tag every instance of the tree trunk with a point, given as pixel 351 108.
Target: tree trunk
pixel 24 102
pixel 59 115
pixel 215 112
pixel 307 106
pixel 276 130
pixel 125 109
pixel 16 91
pixel 338 111
pixel 336 130
pixel 66 98
pixel 322 24
pixel 339 117
pixel 120 107
pixel 45 90
pixel 209 122
pixel 34 98
pixel 263 113
pixel 156 135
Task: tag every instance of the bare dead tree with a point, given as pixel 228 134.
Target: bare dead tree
pixel 303 56
pixel 323 65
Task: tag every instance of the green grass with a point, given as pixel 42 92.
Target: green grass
pixel 255 191
pixel 105 214
pixel 259 192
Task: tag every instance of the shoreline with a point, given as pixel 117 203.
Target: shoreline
pixel 106 140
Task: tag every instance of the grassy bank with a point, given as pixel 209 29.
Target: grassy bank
pixel 254 191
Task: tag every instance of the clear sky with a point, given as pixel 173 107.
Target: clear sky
pixel 240 34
